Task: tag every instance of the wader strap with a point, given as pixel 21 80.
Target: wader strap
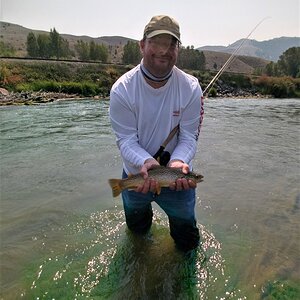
pixel 165 143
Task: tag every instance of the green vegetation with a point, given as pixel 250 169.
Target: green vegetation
pixel 278 87
pixel 90 79
pixel 281 290
pixel 287 65
pixel 54 46
pixel 6 50
pixel 191 59
pixel 132 53
pixel 91 51
pixel 188 58
pixel 87 79
pixel 46 46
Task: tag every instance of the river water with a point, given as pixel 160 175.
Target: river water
pixel 63 235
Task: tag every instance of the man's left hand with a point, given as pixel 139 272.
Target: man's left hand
pixel 181 183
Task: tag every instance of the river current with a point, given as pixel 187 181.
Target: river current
pixel 63 235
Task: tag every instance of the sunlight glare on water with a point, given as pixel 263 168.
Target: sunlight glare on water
pixel 103 262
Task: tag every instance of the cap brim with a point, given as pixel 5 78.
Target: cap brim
pixel 157 32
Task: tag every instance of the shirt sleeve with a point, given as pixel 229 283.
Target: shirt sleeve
pixel 190 124
pixel 124 124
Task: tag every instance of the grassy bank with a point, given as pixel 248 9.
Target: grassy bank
pixel 82 79
pixel 95 79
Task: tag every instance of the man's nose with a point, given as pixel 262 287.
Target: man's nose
pixel 163 47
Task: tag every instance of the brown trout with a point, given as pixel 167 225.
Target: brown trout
pixel 164 176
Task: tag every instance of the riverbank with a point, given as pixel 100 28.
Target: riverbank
pixel 49 81
pixel 34 98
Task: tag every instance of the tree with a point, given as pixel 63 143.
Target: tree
pixel 101 52
pixel 59 47
pixel 132 53
pixel 55 42
pixel 32 45
pixel 43 42
pixel 45 46
pixel 287 65
pixel 289 62
pixel 92 54
pixel 189 58
pixel 82 49
pixel 64 49
pixel 91 51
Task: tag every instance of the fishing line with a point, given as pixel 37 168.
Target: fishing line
pixel 230 59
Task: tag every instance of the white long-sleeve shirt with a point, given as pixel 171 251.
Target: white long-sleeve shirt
pixel 142 117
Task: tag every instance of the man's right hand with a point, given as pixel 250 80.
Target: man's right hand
pixel 150 185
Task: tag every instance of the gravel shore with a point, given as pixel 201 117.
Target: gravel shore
pixel 33 98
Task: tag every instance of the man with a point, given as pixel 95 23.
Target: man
pixel 146 103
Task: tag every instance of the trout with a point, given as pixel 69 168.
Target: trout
pixel 164 176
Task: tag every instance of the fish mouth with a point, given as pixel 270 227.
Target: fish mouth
pixel 199 178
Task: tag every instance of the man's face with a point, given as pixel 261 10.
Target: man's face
pixel 160 54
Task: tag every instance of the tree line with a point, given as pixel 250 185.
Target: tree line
pixel 188 58
pixel 287 65
pixel 91 51
pixel 54 46
pixel 47 46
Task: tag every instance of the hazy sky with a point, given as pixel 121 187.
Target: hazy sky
pixel 210 22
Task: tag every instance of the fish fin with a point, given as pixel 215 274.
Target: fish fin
pixel 158 190
pixel 115 185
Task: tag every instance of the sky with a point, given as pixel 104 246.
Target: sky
pixel 210 22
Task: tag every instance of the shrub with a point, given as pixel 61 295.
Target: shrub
pixel 278 87
pixel 212 92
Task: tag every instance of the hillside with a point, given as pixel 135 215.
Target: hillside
pixel 268 50
pixel 16 36
pixel 240 64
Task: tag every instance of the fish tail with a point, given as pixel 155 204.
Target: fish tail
pixel 115 185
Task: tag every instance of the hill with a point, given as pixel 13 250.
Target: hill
pixel 240 64
pixel 16 36
pixel 268 50
pixel 215 56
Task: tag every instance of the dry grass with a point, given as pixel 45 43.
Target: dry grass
pixel 240 64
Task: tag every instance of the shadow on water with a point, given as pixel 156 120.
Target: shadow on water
pixel 102 260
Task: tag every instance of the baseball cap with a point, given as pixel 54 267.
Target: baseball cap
pixel 162 24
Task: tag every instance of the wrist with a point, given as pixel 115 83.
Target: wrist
pixel 176 160
pixel 150 159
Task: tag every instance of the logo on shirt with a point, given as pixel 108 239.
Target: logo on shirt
pixel 176 113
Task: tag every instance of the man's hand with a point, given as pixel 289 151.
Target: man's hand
pixel 150 185
pixel 181 183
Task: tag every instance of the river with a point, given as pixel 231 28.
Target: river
pixel 63 235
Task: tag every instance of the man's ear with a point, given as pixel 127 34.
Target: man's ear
pixel 142 45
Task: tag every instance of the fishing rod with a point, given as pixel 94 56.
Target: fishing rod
pixel 164 156
pixel 230 59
